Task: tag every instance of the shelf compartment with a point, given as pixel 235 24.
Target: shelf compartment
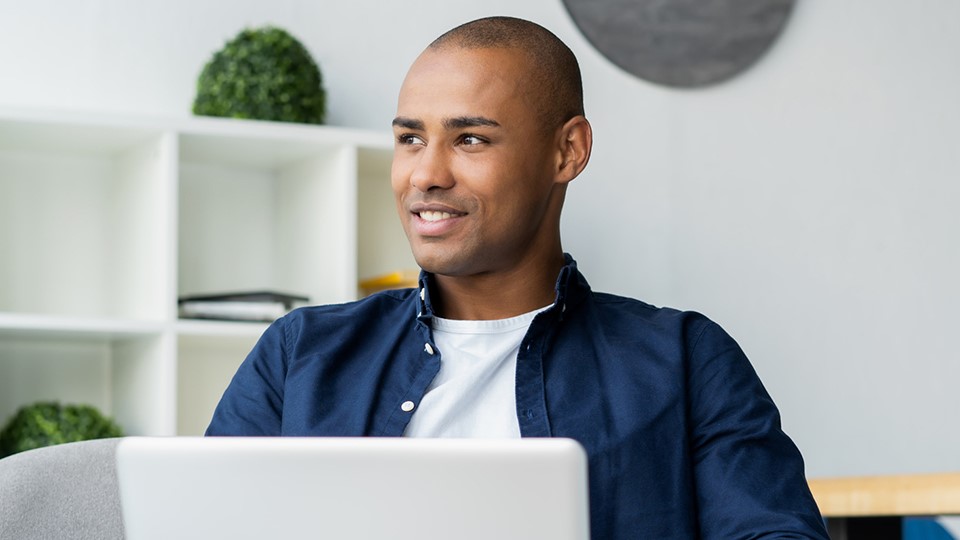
pixel 262 214
pixel 84 220
pixel 206 364
pixel 124 375
pixel 382 246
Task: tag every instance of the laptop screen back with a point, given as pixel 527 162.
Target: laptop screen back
pixel 353 488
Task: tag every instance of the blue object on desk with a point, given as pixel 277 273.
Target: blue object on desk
pixel 925 529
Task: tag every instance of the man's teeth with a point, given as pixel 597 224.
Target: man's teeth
pixel 431 215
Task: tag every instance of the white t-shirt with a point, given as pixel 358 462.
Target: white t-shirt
pixel 474 394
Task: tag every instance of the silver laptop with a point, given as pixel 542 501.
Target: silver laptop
pixel 353 488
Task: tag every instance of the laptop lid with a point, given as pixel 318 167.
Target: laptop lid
pixel 353 488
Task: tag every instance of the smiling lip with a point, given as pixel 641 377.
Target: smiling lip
pixel 434 219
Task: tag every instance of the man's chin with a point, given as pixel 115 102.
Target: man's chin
pixel 441 263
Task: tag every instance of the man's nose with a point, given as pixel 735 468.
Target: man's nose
pixel 432 169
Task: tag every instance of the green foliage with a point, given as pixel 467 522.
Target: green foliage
pixel 47 424
pixel 264 74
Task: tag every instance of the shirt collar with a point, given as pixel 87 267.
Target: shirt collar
pixel 571 288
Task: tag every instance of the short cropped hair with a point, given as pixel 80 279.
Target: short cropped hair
pixel 557 84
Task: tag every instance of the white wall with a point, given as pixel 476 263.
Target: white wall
pixel 809 205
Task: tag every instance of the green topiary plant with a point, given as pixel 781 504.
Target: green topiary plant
pixel 264 74
pixel 48 423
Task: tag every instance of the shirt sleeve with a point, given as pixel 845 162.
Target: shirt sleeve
pixel 252 405
pixel 749 475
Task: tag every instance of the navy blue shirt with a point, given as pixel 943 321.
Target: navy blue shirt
pixel 683 441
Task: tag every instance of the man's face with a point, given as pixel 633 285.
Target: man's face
pixel 473 165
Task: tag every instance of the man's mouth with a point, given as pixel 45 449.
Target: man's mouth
pixel 434 215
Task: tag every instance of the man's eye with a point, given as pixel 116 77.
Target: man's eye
pixel 471 140
pixel 407 138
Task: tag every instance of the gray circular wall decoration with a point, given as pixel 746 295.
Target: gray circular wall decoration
pixel 682 43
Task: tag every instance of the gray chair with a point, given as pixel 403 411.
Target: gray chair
pixel 68 491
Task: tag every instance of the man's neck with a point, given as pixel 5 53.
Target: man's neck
pixel 497 295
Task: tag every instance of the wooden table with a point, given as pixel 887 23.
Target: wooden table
pixel 873 507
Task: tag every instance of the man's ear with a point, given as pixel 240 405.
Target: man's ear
pixel 576 142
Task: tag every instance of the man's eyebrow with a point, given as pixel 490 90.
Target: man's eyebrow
pixel 408 123
pixel 458 122
pixel 461 122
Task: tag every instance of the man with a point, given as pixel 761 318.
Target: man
pixel 504 338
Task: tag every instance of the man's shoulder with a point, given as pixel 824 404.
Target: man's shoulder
pixel 639 309
pixel 626 302
pixel 378 305
pixel 631 315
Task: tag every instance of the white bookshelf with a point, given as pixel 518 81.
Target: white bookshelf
pixel 105 221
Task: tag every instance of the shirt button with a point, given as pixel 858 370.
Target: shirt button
pixel 407 406
pixel 428 348
pixel 423 293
